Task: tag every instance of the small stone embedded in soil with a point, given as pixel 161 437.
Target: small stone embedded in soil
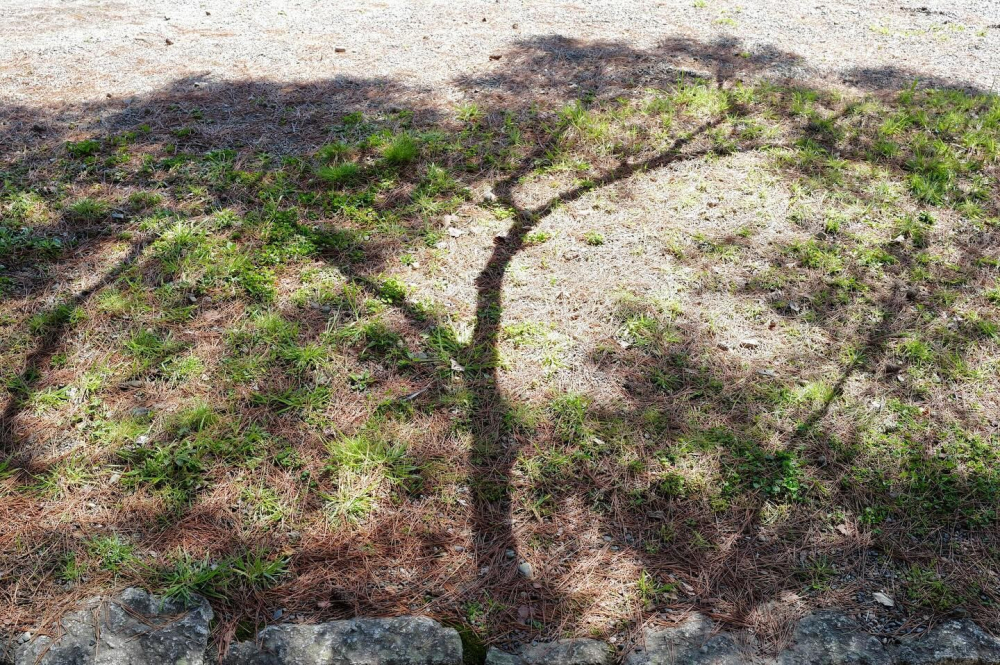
pixel 883 599
pixel 750 343
pixel 526 570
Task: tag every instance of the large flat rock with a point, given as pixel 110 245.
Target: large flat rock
pixel 397 641
pixel 694 641
pixel 581 651
pixel 958 642
pixel 833 638
pixel 134 628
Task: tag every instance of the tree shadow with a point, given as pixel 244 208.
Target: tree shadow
pixel 891 78
pixel 735 553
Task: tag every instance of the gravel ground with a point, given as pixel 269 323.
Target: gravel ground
pixel 67 51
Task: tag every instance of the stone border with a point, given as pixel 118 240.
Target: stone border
pixel 136 628
pixel 133 628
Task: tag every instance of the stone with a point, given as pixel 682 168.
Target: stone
pixel 496 657
pixel 832 638
pixel 955 642
pixel 578 651
pixel 526 570
pixel 134 628
pixel 883 599
pixel 694 641
pixel 397 641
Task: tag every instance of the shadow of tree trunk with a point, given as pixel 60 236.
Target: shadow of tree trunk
pixel 496 446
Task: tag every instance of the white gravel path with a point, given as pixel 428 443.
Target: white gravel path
pixel 67 51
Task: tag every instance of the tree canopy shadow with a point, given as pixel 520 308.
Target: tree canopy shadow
pixel 206 285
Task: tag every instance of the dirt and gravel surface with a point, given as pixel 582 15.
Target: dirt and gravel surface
pixel 270 72
pixel 87 50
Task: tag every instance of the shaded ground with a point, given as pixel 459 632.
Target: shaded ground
pixel 677 339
